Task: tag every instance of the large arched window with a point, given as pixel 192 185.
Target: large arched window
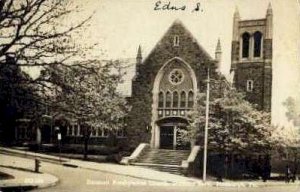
pixel 182 99
pixel 245 45
pixel 168 99
pixel 257 43
pixel 161 99
pixel 190 99
pixel 175 99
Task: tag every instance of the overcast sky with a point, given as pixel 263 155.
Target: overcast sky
pixel 120 26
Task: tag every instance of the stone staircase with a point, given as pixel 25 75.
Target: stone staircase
pixel 163 160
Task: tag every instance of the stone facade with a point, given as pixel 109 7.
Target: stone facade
pixel 178 49
pixel 166 83
pixel 251 58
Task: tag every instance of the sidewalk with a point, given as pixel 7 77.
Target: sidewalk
pixel 48 158
pixel 169 179
pixel 22 171
pixel 26 179
pixel 149 174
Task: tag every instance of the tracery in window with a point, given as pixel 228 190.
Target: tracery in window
pixel 176 76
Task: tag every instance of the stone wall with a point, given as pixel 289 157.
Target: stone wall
pixel 189 51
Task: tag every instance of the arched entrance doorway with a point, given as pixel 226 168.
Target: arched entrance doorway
pixel 170 130
pixel 174 95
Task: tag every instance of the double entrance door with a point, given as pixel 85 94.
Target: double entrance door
pixel 170 138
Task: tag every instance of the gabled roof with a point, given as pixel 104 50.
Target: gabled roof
pixel 178 27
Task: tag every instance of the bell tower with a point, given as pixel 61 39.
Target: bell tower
pixel 251 58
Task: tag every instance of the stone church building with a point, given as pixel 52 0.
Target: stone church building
pixel 167 81
pixel 165 87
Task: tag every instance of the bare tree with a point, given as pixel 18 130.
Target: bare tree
pixel 40 34
pixel 37 31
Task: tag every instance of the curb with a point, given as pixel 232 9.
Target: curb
pixel 49 184
pixel 252 184
pixel 187 182
pixel 34 184
pixel 43 157
pixel 193 182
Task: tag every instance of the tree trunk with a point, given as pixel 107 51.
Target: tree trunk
pixel 226 166
pixel 86 140
pixel 231 165
pixel 86 135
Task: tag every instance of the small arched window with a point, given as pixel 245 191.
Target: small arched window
pixel 161 99
pixel 257 43
pixel 190 99
pixel 182 99
pixel 176 40
pixel 168 99
pixel 175 99
pixel 249 85
pixel 245 45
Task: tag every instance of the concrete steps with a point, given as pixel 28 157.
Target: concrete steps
pixel 163 160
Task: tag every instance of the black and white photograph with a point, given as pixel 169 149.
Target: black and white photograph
pixel 150 95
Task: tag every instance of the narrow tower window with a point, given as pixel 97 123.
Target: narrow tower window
pixel 249 85
pixel 176 40
pixel 246 44
pixel 257 44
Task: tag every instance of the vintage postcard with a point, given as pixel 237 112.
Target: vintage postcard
pixel 150 95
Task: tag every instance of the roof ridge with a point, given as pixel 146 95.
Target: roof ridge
pixel 179 22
